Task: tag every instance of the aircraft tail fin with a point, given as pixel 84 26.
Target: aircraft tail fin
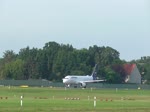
pixel 94 73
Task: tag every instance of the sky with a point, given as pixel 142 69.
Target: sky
pixel 121 24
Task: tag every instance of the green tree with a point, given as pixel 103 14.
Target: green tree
pixel 30 64
pixel 50 49
pixel 112 76
pixel 54 61
pixel 17 69
pixel 13 70
pixel 9 56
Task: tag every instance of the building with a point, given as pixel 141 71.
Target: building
pixel 132 74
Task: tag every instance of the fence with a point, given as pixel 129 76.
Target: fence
pixel 46 83
pixel 24 82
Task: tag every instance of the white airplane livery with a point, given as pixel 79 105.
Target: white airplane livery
pixel 82 80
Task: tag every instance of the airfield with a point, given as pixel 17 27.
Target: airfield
pixel 60 99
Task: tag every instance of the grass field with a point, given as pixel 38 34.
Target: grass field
pixel 61 100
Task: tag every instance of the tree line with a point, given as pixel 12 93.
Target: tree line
pixel 54 61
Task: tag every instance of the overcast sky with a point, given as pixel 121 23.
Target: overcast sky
pixel 121 24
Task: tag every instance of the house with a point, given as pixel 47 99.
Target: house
pixel 132 74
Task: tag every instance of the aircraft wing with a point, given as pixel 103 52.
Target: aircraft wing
pixel 92 81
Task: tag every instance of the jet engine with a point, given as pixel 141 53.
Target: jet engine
pixel 83 85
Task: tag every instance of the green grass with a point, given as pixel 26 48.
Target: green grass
pixel 53 100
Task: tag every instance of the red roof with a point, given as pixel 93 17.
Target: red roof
pixel 129 68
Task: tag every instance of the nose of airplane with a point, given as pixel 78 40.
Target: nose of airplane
pixel 64 80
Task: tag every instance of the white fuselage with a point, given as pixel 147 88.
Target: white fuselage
pixel 76 79
pixel 82 80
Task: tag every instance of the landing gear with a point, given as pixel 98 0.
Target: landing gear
pixel 75 86
pixel 83 85
pixel 67 85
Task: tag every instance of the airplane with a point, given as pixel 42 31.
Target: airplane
pixel 82 80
